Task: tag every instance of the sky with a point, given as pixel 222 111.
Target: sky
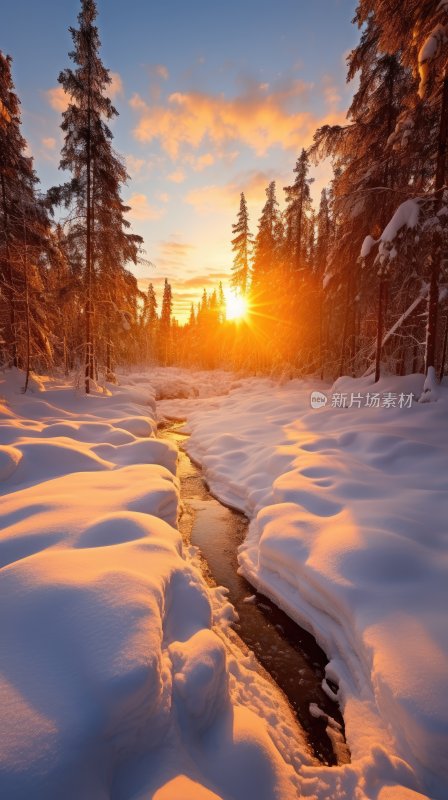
pixel 214 99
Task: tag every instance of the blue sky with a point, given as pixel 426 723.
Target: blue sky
pixel 214 99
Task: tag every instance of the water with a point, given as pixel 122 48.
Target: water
pixel 287 652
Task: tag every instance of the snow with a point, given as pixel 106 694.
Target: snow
pixel 430 49
pixel 407 216
pixel 118 677
pixel 348 509
pixel 367 245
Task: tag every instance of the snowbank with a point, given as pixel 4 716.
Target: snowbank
pixel 117 677
pixel 348 535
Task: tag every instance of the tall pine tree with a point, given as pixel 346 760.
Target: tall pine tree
pixel 24 238
pixel 97 177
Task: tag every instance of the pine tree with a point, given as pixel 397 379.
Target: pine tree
pixel 297 215
pixel 221 303
pixel 323 244
pixel 420 35
pixel 24 241
pixel 323 238
pixel 266 245
pixel 151 316
pixel 148 323
pixel 165 322
pixel 97 176
pixel 242 247
pixel 369 178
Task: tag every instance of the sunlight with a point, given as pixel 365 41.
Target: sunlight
pixel 236 305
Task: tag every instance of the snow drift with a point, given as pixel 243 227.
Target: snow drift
pixel 348 504
pixel 117 679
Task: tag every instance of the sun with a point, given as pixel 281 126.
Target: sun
pixel 236 306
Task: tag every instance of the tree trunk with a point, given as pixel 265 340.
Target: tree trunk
pixel 9 279
pixel 445 342
pixel 27 304
pixel 379 327
pixel 433 298
pixel 88 309
pixel 345 329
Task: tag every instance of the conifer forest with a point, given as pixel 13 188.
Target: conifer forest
pixel 335 286
pixel 223 400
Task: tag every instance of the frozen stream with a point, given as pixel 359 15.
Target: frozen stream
pixel 288 653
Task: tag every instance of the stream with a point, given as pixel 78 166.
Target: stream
pixel 288 653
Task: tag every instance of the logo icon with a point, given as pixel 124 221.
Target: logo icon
pixel 318 400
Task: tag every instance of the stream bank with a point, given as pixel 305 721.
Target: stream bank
pixel 289 654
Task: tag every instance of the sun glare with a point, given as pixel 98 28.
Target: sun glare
pixel 236 306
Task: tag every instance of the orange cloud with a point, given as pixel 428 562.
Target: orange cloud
pixel 331 92
pixel 49 142
pixel 207 199
pixel 57 98
pixel 134 165
pixel 258 118
pixel 199 163
pixel 141 209
pixel 116 86
pixel 174 252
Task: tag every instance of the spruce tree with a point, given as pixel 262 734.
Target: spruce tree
pixel 242 247
pixel 369 178
pixel 266 244
pixel 420 35
pixel 297 215
pixel 24 238
pixel 165 322
pixel 97 177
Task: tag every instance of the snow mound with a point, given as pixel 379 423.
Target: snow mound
pixel 348 508
pixel 117 678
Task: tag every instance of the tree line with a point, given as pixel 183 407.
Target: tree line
pixel 67 297
pixel 353 286
pixel 359 283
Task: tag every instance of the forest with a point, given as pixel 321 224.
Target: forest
pixel 223 400
pixel 350 287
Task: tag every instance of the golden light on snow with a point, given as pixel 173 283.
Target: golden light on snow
pixel 236 305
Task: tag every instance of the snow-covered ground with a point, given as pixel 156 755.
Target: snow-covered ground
pixel 118 679
pixel 349 509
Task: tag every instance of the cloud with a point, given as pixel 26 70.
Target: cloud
pixel 199 163
pixel 205 281
pixel 257 117
pixel 49 143
pixel 116 86
pixel 174 251
pixel 141 209
pixel 57 98
pixel 331 92
pixel 134 165
pixel 253 183
pixel 178 176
